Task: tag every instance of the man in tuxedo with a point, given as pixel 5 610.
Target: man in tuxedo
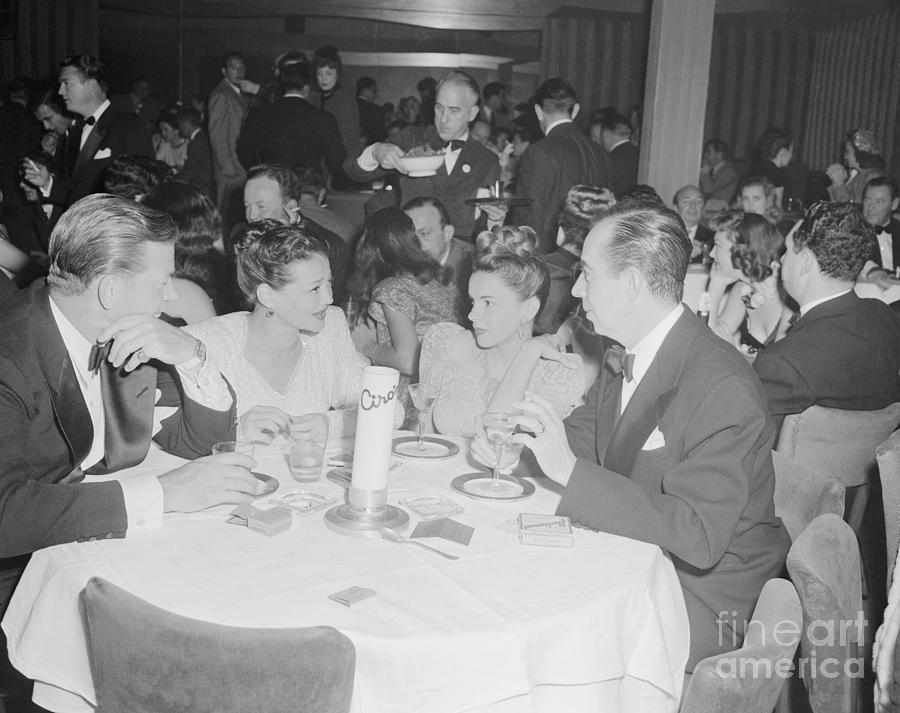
pixel 672 445
pixel 468 170
pixel 843 352
pixel 615 135
pixel 93 141
pixel 689 203
pixel 274 191
pixel 880 200
pixel 550 167
pixel 228 106
pixel 291 131
pixel 82 362
pixel 435 233
pixel 197 167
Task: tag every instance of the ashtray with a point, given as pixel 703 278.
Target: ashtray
pixel 303 502
pixel 432 507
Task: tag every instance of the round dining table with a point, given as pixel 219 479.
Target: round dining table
pixel 507 627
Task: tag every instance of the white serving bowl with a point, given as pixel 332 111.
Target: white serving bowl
pixel 417 166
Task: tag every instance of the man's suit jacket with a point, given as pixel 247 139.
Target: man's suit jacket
pixel 371 121
pixel 292 132
pixel 704 236
pixel 843 354
pixel 80 171
pixel 704 494
pixel 548 169
pixel 460 260
pixel 720 185
pixel 624 160
pixel 560 302
pixel 227 109
pixel 45 434
pixel 197 167
pixel 894 229
pixel 476 167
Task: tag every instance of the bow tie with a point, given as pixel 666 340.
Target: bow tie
pixel 883 230
pixel 454 144
pixel 620 362
pixel 99 353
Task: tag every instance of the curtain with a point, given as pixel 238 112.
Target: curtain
pixel 854 83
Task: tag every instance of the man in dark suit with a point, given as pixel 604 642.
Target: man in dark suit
pixel 615 134
pixel 689 203
pixel 292 131
pixel 880 200
pixel 468 170
pixel 550 167
pixel 435 233
pixel 81 361
pixel 843 352
pixel 197 167
pixel 672 445
pixel 274 191
pixel 92 142
pixel 371 115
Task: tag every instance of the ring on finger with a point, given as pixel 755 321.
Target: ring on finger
pixel 142 356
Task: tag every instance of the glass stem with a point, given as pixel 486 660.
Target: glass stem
pixel 421 430
pixel 496 473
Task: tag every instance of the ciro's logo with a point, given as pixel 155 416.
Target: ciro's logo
pixel 369 401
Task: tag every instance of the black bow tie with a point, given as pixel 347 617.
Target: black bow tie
pixel 886 229
pixel 455 144
pixel 620 362
pixel 99 353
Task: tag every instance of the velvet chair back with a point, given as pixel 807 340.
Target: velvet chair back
pixel 147 660
pixel 888 457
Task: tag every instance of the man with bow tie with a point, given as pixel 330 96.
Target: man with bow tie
pixel 843 352
pixel 469 168
pixel 69 407
pixel 92 141
pixel 672 445
pixel 880 199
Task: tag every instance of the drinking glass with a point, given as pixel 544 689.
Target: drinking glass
pixel 423 399
pixel 498 427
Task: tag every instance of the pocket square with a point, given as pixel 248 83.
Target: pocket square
pixel 103 153
pixel 656 440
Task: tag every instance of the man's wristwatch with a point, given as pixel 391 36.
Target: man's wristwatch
pixel 199 358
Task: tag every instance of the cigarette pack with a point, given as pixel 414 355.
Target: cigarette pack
pixel 546 530
pixel 269 522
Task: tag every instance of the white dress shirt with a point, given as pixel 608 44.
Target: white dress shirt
pixel 645 352
pixel 815 303
pixel 88 128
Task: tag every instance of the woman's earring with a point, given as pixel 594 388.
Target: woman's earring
pixel 521 333
pixel 269 312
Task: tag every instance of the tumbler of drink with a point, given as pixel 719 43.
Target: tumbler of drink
pixel 233 447
pixel 305 459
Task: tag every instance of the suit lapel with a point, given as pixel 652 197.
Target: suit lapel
pixel 62 383
pixel 94 139
pixel 652 397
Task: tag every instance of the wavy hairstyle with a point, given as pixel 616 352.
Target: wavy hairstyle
pixel 756 243
pixel 838 236
pixel 584 206
pixel 199 227
pixel 773 212
pixel 265 249
pixel 389 247
pixel 509 253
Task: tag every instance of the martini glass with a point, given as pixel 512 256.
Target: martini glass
pixel 498 427
pixel 423 400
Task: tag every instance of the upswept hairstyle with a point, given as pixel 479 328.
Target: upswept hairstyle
pixel 264 251
pixel 389 246
pixel 651 239
pixel 865 148
pixel 327 56
pixel 509 253
pixel 838 236
pixel 757 243
pixel 198 224
pixel 584 206
pixel 102 234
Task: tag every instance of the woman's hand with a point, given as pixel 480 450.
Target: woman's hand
pixel 364 337
pixel 546 346
pixel 837 174
pixel 310 427
pixel 260 424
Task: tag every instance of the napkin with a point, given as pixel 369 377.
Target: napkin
pixel 446 528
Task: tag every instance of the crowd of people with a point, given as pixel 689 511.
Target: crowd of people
pixel 185 257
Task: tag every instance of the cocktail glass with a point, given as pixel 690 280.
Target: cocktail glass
pixel 423 399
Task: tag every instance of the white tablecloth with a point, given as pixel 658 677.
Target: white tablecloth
pixel 507 627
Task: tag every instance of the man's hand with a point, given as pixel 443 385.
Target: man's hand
pixel 139 338
pixel 260 424
pixel 496 214
pixel 549 443
pixel 36 174
pixel 248 87
pixel 209 481
pixel 388 156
